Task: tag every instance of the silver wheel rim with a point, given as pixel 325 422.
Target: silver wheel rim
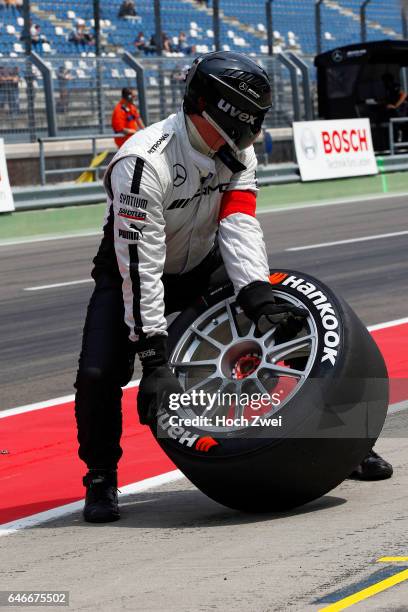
pixel 207 353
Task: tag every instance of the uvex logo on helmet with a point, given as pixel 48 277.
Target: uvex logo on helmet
pixel 226 107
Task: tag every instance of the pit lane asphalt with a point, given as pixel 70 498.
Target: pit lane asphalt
pixel 40 331
pixel 175 549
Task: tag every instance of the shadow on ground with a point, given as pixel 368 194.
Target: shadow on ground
pixel 186 509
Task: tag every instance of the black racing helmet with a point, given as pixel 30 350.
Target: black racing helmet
pixel 232 92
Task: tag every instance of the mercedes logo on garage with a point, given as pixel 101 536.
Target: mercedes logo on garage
pixel 337 56
pixel 179 175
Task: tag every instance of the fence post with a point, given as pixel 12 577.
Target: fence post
pixel 157 18
pixel 307 90
pixel 42 162
pixel 318 25
pixel 289 64
pixel 363 20
pixel 216 24
pixel 98 71
pixel 159 51
pixel 141 85
pixel 48 91
pixel 29 77
pixel 391 137
pixel 404 19
pixel 269 25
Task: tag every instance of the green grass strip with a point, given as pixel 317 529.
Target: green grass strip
pixel 52 221
pixel 302 193
pixel 69 220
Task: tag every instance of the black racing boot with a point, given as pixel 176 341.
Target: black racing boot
pixel 101 501
pixel 373 467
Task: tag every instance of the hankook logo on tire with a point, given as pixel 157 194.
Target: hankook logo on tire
pixel 179 175
pixel 327 315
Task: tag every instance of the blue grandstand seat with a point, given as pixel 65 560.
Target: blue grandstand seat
pixel 293 24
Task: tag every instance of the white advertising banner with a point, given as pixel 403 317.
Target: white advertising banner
pixel 6 197
pixel 334 149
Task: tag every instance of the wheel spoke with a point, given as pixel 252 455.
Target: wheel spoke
pixel 261 387
pixel 192 364
pixel 239 408
pixel 286 371
pixel 204 383
pixel 207 338
pixel 251 331
pixel 231 320
pixel 217 409
pixel 279 351
pixel 268 335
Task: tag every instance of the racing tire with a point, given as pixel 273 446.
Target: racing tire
pixel 330 419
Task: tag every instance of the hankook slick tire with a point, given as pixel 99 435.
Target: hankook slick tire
pixel 329 381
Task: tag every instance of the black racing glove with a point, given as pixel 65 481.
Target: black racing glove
pixel 158 381
pixel 259 304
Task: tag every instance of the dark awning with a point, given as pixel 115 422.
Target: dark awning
pixel 376 52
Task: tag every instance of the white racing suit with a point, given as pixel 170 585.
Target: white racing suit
pixel 166 203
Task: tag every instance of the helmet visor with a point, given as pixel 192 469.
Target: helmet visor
pixel 239 129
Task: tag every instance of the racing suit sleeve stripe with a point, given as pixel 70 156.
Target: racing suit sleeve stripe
pixel 136 289
pixel 140 246
pixel 237 202
pixel 137 176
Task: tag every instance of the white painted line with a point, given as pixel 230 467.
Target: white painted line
pixel 387 324
pixel 348 241
pixel 57 401
pixel 56 285
pixel 269 208
pixel 398 407
pixel 28 240
pixel 55 513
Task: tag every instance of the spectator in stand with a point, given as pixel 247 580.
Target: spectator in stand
pixel 37 39
pixel 140 43
pixel 183 46
pixel 80 35
pixel 203 2
pixel 126 119
pixel 166 43
pixel 151 48
pixel 127 9
pixel 64 75
pixel 9 82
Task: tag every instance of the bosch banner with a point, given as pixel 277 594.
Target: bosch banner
pixel 334 149
pixel 6 197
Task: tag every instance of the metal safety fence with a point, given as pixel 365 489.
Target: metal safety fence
pixel 22 100
pixel 74 95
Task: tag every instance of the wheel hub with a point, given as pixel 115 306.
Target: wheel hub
pixel 241 359
pixel 245 366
